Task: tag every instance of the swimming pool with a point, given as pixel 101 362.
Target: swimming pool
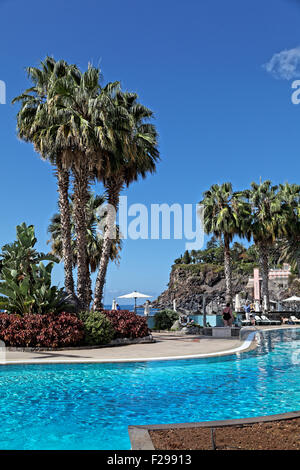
pixel 89 406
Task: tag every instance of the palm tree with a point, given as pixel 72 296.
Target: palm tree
pixel 94 240
pixel 69 125
pixel 136 155
pixel 289 195
pixel 91 126
pixel 268 223
pixel 225 215
pixel 32 124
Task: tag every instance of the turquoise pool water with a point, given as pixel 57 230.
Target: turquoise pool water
pixel 89 406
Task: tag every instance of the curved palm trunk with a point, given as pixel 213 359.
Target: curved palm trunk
pixel 81 180
pixel 65 217
pixel 264 268
pixel 113 188
pixel 227 269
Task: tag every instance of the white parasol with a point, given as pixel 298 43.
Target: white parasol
pixel 134 295
pixel 294 298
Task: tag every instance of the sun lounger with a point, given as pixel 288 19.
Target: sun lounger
pixel 246 322
pixel 295 319
pixel 258 320
pixel 267 321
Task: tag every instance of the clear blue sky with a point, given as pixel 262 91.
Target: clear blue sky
pixel 198 64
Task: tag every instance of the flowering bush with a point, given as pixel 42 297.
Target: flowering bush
pixel 127 324
pixel 33 330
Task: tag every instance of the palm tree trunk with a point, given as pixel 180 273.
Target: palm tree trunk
pixel 298 265
pixel 100 281
pixel 65 216
pixel 204 309
pixel 113 188
pixel 81 180
pixel 227 269
pixel 264 267
pixel 89 292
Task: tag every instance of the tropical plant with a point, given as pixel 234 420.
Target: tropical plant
pixel 165 319
pixel 135 155
pixel 225 215
pixel 68 124
pixel 268 223
pixel 33 294
pixel 21 254
pixel 36 124
pixel 186 259
pixel 289 246
pixel 97 327
pixel 94 132
pixel 91 122
pixel 93 237
pixel 25 280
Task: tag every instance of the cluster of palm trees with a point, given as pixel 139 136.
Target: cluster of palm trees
pixel 89 133
pixel 265 213
pixel 95 217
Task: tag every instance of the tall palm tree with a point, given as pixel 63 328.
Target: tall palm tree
pixel 289 195
pixel 225 215
pixel 70 124
pixel 268 223
pixel 94 240
pixel 32 124
pixel 91 124
pixel 136 155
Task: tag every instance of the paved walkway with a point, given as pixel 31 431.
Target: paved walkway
pixel 167 346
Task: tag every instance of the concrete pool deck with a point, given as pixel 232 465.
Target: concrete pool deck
pixel 167 346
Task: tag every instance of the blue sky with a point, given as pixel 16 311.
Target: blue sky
pixel 220 114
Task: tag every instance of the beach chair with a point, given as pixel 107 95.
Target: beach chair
pixel 270 322
pixel 246 322
pixel 295 319
pixel 258 320
pixel 266 321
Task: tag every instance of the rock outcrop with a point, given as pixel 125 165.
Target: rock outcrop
pixel 189 282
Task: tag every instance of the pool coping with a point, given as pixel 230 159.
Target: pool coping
pixel 247 345
pixel 140 438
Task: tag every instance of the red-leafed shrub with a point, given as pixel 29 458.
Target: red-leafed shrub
pixel 127 324
pixel 48 331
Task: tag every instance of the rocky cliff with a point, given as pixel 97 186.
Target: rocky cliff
pixel 189 282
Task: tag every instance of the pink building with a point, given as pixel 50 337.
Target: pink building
pixel 280 276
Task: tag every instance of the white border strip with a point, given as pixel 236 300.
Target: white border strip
pixel 246 344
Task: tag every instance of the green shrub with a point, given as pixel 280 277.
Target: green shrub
pixel 165 319
pixel 25 281
pixel 97 327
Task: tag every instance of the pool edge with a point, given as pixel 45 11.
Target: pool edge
pixel 247 345
pixel 140 438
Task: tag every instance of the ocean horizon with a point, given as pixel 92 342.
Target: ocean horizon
pixel 130 307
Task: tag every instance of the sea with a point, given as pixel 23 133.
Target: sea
pixel 130 307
